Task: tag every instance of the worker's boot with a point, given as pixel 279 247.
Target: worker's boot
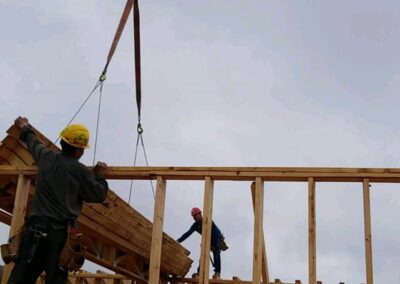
pixel 216 275
pixel 195 275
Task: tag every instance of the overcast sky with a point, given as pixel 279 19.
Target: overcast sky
pixel 229 83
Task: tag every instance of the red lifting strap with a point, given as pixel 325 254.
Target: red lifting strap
pixel 117 36
pixel 118 33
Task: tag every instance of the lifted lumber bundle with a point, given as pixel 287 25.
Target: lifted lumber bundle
pixel 117 236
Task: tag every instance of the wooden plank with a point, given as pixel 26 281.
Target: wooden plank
pixel 19 149
pixel 5 217
pixel 216 281
pixel 156 240
pixel 367 232
pixel 264 267
pixel 20 203
pixel 206 231
pixel 312 247
pixel 129 227
pixel 241 173
pixel 258 230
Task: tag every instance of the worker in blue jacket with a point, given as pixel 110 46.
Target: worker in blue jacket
pixel 216 236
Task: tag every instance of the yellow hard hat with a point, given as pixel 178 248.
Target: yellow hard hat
pixel 76 135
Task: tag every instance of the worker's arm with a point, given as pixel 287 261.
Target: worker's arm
pixel 94 185
pixel 38 151
pixel 187 234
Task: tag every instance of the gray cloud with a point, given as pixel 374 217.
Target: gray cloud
pixel 258 84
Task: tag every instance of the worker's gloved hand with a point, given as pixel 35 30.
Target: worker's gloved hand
pixel 100 169
pixel 21 122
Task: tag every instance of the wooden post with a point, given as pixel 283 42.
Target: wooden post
pixel 19 210
pixel 312 248
pixel 156 238
pixel 258 230
pixel 264 268
pixel 367 232
pixel 206 230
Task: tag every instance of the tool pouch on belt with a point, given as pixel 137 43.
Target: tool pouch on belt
pixel 9 251
pixel 221 243
pixel 71 258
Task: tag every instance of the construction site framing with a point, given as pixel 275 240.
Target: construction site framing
pixel 259 176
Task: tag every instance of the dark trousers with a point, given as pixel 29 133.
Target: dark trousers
pixel 216 262
pixel 32 262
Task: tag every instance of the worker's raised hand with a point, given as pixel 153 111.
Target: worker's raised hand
pixel 100 169
pixel 21 122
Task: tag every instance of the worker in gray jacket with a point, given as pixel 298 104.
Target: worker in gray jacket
pixel 62 185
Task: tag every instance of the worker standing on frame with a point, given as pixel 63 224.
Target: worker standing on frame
pixel 217 241
pixel 62 185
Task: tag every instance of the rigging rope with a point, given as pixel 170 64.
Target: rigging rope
pixel 136 26
pixel 79 109
pixel 136 29
pixel 98 122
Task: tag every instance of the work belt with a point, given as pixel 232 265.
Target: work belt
pixel 72 255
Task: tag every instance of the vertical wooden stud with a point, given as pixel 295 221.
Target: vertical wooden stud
pixel 156 238
pixel 206 230
pixel 312 247
pixel 367 232
pixel 258 230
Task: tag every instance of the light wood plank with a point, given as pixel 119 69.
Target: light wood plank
pixel 312 247
pixel 258 230
pixel 367 232
pixel 264 271
pixel 289 174
pixel 20 203
pixel 156 240
pixel 206 231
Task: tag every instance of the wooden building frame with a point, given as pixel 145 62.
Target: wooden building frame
pixel 258 176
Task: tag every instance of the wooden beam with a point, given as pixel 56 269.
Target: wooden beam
pixel 258 230
pixel 20 203
pixel 5 217
pixel 367 232
pixel 312 247
pixel 237 173
pixel 206 231
pixel 264 267
pixel 156 239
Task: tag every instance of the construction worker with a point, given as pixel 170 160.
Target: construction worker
pixel 62 185
pixel 215 240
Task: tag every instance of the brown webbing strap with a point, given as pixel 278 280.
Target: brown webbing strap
pixel 136 25
pixel 118 33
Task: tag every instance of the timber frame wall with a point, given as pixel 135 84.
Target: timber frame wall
pixel 258 177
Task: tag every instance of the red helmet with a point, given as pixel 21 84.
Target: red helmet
pixel 195 211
